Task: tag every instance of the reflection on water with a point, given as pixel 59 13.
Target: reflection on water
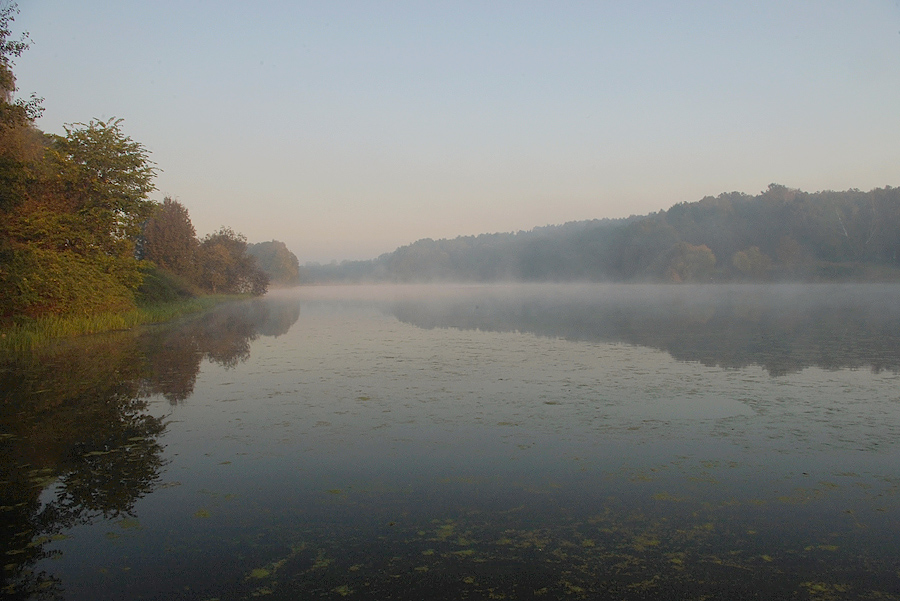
pixel 77 443
pixel 782 328
pixel 466 442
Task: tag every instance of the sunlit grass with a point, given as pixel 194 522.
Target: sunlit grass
pixel 27 334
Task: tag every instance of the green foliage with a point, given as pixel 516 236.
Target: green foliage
pixel 277 262
pixel 752 263
pixel 69 245
pixel 105 177
pixel 20 151
pixel 220 263
pixel 170 241
pixel 27 333
pixel 796 235
pixel 41 281
pixel 688 263
pixel 161 286
pixel 21 111
pixel 225 266
pixel 19 144
pixel 72 209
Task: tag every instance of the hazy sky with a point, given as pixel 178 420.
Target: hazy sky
pixel 346 129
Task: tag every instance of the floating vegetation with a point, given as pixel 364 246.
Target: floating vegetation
pixel 128 524
pixel 484 479
pixel 828 591
pixel 620 552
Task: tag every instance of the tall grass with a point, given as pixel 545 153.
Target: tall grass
pixel 28 334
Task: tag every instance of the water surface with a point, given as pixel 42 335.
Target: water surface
pixel 517 442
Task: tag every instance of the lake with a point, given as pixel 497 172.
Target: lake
pixel 465 442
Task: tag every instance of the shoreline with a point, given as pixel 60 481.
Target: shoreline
pixel 31 333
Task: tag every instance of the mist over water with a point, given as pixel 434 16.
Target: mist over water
pixel 445 442
pixel 782 328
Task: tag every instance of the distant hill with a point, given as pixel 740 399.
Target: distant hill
pixel 279 263
pixel 780 234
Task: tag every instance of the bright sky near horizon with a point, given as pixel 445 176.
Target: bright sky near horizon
pixel 347 129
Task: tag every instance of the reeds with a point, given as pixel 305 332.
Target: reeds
pixel 27 334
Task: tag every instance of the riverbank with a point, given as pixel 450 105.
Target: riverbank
pixel 31 333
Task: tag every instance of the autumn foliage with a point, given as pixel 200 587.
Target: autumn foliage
pixel 78 233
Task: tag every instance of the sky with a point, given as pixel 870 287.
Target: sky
pixel 348 129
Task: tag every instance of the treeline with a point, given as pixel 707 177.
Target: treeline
pixel 279 263
pixel 78 233
pixel 218 263
pixel 780 234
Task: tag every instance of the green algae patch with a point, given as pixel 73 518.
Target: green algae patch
pixel 202 513
pixel 821 548
pixel 261 592
pixel 321 562
pixel 128 524
pixel 826 591
pixel 641 543
pixel 445 531
pixel 572 589
pixel 664 496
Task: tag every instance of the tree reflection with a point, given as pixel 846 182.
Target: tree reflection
pixel 784 329
pixel 76 441
pixel 222 336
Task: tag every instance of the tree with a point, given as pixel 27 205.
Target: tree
pixel 752 263
pixel 70 244
pixel 225 266
pixel 170 241
pixel 21 149
pixel 279 263
pixel 19 111
pixel 105 176
pixel 688 263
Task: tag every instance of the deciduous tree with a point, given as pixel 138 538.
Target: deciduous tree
pixel 70 242
pixel 752 263
pixel 225 266
pixel 170 241
pixel 279 263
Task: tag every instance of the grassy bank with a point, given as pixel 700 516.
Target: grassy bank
pixel 27 334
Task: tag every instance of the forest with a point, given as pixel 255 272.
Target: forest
pixel 78 233
pixel 781 234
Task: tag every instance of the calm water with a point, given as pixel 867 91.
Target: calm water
pixel 502 442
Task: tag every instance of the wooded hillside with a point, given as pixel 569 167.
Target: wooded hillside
pixel 779 234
